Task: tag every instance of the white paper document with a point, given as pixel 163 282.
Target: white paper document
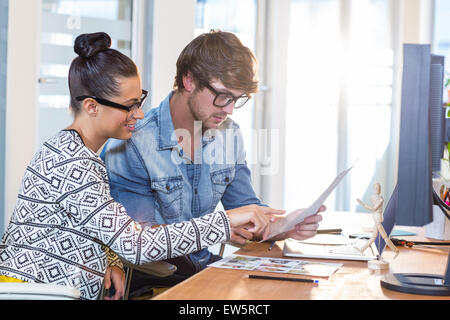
pixel 297 216
pixel 347 251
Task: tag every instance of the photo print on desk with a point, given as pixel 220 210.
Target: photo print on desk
pixel 277 265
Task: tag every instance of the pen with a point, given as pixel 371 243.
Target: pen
pixel 331 231
pixel 272 245
pixel 253 276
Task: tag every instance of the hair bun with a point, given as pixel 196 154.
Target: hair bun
pixel 89 44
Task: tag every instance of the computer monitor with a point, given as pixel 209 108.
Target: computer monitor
pixel 421 148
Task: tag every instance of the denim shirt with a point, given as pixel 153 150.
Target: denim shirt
pixel 158 184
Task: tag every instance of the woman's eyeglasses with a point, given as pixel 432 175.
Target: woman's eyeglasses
pixel 131 109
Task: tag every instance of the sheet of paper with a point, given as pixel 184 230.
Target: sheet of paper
pixel 329 239
pixel 278 265
pixel 300 249
pixel 297 216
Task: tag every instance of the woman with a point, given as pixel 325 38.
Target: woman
pixel 66 228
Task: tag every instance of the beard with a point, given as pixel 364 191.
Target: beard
pixel 200 114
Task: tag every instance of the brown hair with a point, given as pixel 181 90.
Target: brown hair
pixel 218 55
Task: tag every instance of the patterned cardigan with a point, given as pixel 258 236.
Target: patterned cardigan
pixel 66 228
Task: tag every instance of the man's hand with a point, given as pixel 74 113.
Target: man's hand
pixel 250 222
pixel 304 230
pixel 117 276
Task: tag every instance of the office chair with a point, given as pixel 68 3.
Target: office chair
pixel 159 269
pixel 36 291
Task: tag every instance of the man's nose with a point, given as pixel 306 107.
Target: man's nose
pixel 228 109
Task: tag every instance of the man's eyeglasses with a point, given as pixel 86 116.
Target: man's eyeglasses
pixel 223 99
pixel 131 109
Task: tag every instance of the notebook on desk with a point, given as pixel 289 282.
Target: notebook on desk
pixel 330 249
pixel 341 246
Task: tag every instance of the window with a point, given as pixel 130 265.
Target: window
pixel 238 17
pixel 339 94
pixel 441 38
pixel 44 51
pixel 62 22
pixel 3 57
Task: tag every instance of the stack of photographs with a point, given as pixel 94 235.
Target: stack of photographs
pixel 289 266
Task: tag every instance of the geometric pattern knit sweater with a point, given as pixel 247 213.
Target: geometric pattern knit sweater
pixel 66 228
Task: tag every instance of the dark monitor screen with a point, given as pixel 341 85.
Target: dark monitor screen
pixel 421 148
pixel 421 142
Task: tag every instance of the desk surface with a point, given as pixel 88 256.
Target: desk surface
pixel 351 281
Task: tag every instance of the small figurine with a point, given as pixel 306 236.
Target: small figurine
pixel 377 209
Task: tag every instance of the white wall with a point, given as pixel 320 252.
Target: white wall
pixel 275 68
pixel 417 21
pixel 21 95
pixel 173 29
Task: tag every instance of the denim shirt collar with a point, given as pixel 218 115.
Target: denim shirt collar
pixel 166 128
pixel 165 125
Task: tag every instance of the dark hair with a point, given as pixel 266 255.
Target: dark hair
pixel 218 55
pixel 97 68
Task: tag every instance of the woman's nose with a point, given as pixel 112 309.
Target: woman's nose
pixel 139 114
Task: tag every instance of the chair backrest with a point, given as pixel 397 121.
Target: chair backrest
pixel 37 291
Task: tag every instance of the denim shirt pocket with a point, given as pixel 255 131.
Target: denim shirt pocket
pixel 220 179
pixel 168 194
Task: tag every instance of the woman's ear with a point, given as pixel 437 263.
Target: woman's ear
pixel 90 106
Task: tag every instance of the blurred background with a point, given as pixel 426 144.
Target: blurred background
pixel 329 70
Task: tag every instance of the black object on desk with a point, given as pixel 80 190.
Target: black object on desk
pixel 329 231
pixel 253 276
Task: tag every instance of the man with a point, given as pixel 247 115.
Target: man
pixel 187 155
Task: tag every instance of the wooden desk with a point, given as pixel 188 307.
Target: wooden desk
pixel 352 281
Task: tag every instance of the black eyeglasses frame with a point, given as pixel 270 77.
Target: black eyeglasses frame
pixel 217 93
pixel 114 104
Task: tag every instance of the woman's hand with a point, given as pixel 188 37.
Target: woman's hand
pixel 250 222
pixel 117 277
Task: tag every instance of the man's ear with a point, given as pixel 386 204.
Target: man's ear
pixel 189 82
pixel 90 106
